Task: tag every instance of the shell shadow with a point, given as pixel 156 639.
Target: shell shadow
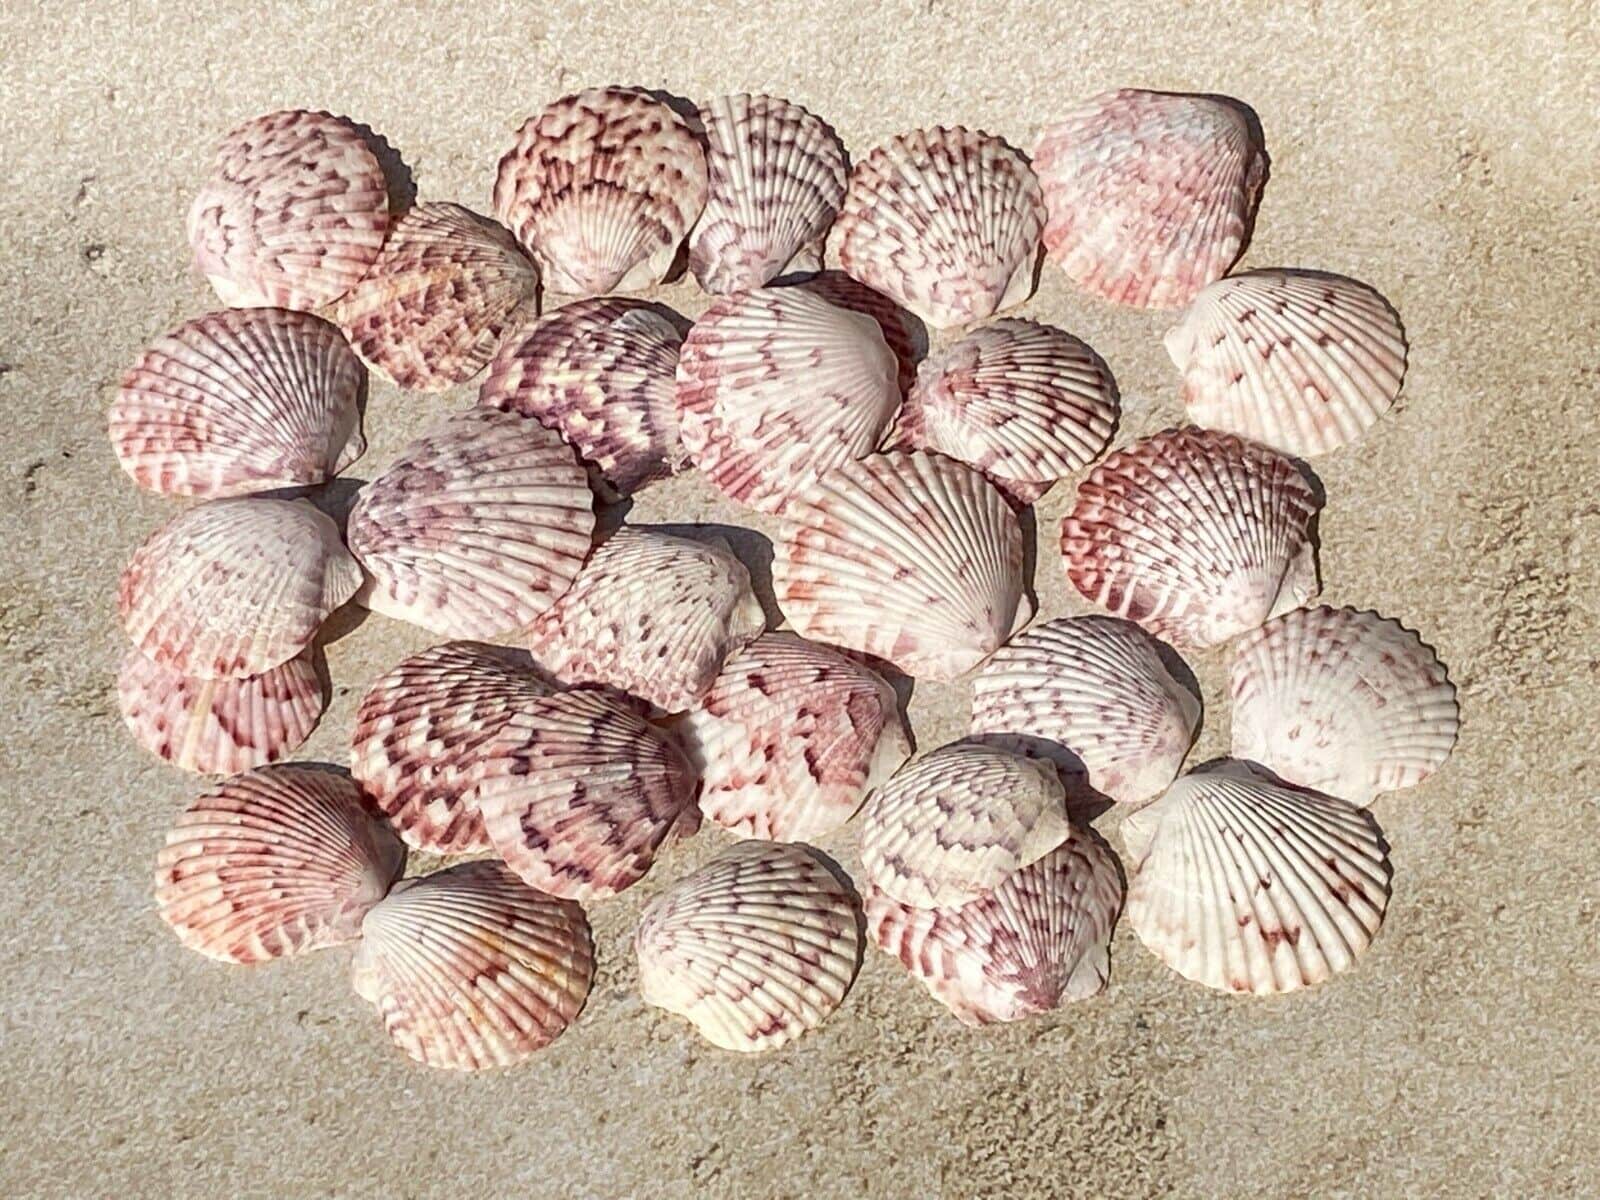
pixel 398 178
pixel 1178 667
pixel 1319 493
pixel 1084 803
pixel 1028 521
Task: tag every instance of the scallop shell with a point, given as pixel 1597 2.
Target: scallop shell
pixel 1246 886
pixel 274 862
pixel 295 212
pixel 1299 360
pixel 956 823
pixel 239 401
pixel 1150 195
pixel 1345 702
pixel 944 221
pixel 232 588
pixel 909 557
pixel 776 386
pixel 477 528
pixel 1196 535
pixel 777 178
pixel 902 332
pixel 470 968
pixel 601 373
pixel 601 188
pixel 652 615
pixel 790 737
pixel 422 724
pixel 754 949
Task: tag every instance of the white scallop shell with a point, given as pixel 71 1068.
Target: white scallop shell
pixel 901 331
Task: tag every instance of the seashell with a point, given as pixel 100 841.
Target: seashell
pixel 777 177
pixel 1150 195
pixel 423 723
pixel 232 588
pixel 1196 535
pixel 652 615
pixel 945 222
pixel 476 528
pixel 754 949
pixel 901 331
pixel 601 187
pixel 295 212
pixel 274 862
pixel 1301 361
pixel 430 311
pixel 955 824
pixel 470 968
pixel 776 386
pixel 601 373
pixel 1345 702
pixel 1246 886
pixel 909 557
pixel 1035 942
pixel 790 737
pixel 239 401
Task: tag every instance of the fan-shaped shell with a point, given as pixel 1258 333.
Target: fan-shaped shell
pixel 1198 536
pixel 294 213
pixel 470 968
pixel 901 331
pixel 754 949
pixel 1299 360
pixel 1150 194
pixel 274 862
pixel 601 188
pixel 476 528
pixel 944 221
pixel 234 587
pixel 239 401
pixel 909 557
pixel 1346 702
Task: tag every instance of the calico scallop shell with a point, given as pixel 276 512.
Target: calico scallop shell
pixel 477 528
pixel 910 557
pixel 470 968
pixel 776 386
pixel 232 588
pixel 754 949
pixel 239 401
pixel 789 739
pixel 1198 536
pixel 777 178
pixel 1150 195
pixel 601 188
pixel 295 212
pixel 902 332
pixel 945 222
pixel 1298 360
pixel 274 862
pixel 1345 702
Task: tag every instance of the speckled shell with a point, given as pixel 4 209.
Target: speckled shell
pixel 239 401
pixel 275 862
pixel 234 587
pixel 776 386
pixel 910 557
pixel 1299 360
pixel 789 739
pixel 777 178
pixel 601 188
pixel 601 373
pixel 1198 536
pixel 1150 194
pixel 652 615
pixel 294 213
pixel 944 221
pixel 476 528
pixel 470 968
pixel 1345 702
pixel 754 949
pixel 1245 886
pixel 901 331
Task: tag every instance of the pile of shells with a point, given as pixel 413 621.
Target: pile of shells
pixel 592 697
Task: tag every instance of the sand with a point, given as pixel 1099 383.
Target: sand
pixel 1445 153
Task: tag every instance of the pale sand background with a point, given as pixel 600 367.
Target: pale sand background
pixel 1446 153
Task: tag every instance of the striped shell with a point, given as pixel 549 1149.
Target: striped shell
pixel 903 333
